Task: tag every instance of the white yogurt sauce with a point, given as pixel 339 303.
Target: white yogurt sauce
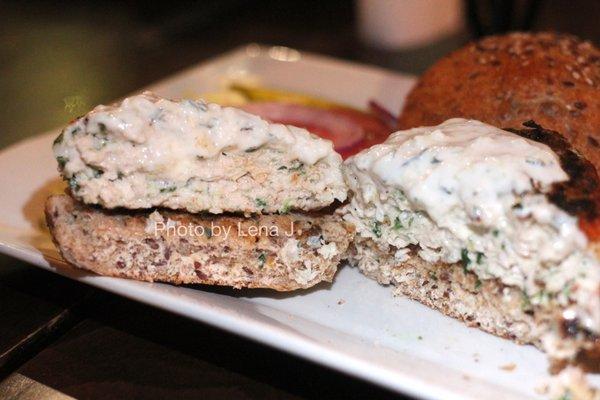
pixel 464 164
pixel 174 134
pixel 149 151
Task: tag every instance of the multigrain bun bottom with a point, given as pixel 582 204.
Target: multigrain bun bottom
pixel 281 252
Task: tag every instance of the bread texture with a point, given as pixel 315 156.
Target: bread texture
pixel 505 80
pixel 282 252
pixel 451 289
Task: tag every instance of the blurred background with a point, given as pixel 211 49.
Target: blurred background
pixel 59 58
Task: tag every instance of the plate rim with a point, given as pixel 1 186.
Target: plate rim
pixel 254 330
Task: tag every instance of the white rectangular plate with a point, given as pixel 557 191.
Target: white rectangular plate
pixel 353 325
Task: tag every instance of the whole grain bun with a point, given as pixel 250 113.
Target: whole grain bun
pixel 293 251
pixel 551 78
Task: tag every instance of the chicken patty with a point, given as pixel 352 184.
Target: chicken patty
pixel 147 151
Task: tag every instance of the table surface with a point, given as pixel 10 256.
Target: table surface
pixel 62 339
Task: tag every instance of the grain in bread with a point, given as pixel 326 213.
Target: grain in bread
pixel 281 252
pixel 505 80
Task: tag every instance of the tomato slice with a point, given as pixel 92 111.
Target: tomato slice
pixel 349 130
pixel 590 228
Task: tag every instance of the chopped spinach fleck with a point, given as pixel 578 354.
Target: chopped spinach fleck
pixel 73 184
pixel 525 302
pixel 495 232
pixel 251 149
pixel 59 139
pixel 97 172
pixel 535 161
pixel 120 175
pixel 262 259
pixel 566 291
pixel 433 275
pixel 168 189
pixel 480 257
pixel 282 168
pixel 287 206
pixel 478 284
pixel 566 395
pixel 413 158
pixel 540 297
pixel 208 125
pixel 62 161
pixel 398 224
pixel 464 258
pixel 376 229
pixel 157 116
pixel 102 130
pixel 198 105
pixel 260 202
pixel 400 194
pixel 314 241
pixel 297 166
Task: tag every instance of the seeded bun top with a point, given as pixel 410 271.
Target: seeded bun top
pixel 550 78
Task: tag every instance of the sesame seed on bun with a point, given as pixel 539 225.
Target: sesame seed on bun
pixel 551 78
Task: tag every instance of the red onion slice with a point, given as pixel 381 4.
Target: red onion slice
pixel 349 130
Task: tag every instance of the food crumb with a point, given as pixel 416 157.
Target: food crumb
pixel 542 389
pixel 420 337
pixel 341 301
pixel 572 384
pixel 508 367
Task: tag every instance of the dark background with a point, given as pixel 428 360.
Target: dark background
pixel 90 344
pixel 50 51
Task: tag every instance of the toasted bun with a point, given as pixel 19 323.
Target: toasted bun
pixel 580 195
pixel 304 251
pixel 505 80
